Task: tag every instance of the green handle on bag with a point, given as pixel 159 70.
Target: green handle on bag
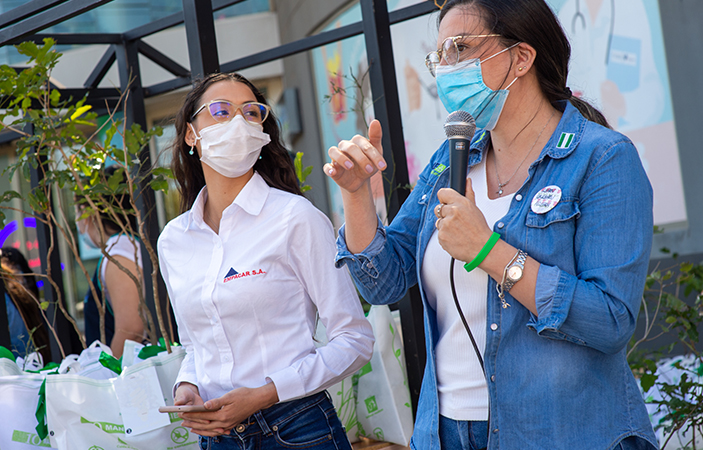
pixel 110 362
pixel 42 428
pixel 5 353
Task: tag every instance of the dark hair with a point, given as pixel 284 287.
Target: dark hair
pixel 534 23
pixel 275 165
pixel 17 268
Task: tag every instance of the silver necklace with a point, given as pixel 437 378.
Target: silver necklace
pixel 495 160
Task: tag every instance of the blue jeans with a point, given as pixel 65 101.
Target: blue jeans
pixel 462 435
pixel 310 422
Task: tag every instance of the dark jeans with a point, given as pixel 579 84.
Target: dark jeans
pixel 310 422
pixel 461 434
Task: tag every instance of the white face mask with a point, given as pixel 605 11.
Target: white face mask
pixel 231 148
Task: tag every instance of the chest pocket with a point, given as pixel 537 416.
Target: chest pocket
pixel 565 210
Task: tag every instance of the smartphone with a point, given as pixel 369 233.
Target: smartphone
pixel 182 408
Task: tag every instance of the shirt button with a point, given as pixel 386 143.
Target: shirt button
pixel 424 196
pixel 493 378
pixel 495 430
pixel 518 197
pixel 494 326
pixel 501 225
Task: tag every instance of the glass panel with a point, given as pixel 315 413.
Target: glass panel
pixel 120 16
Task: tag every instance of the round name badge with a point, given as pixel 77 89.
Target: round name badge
pixel 546 199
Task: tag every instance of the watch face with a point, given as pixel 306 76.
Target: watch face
pixel 515 273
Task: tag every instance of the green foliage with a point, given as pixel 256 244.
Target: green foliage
pixel 301 173
pixel 60 138
pixel 667 314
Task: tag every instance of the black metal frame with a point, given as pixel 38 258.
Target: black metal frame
pixel 23 23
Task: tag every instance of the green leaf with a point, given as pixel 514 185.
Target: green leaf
pixel 647 381
pixel 115 179
pixel 80 111
pixel 159 185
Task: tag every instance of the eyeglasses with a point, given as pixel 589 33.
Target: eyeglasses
pixel 223 111
pixel 450 51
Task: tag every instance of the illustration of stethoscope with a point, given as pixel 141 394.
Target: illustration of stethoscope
pixel 579 17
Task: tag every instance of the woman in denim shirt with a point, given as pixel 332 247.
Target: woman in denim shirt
pixel 554 301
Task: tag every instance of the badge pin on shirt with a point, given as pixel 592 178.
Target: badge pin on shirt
pixel 546 199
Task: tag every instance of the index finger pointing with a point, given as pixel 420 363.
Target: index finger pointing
pixel 376 138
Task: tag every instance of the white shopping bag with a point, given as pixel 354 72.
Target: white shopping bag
pixel 343 396
pixel 19 394
pixel 87 364
pixel 86 413
pixel 383 407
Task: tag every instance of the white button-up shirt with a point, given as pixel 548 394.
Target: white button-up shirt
pixel 246 300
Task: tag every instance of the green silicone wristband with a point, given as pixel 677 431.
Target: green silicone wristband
pixel 469 266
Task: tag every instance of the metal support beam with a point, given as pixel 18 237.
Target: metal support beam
pixel 48 18
pixel 293 48
pixel 200 32
pixel 169 21
pixel 384 90
pixel 48 238
pixel 73 38
pixel 162 60
pixel 318 40
pixel 29 9
pixel 5 339
pixel 101 69
pixel 135 113
pixel 299 46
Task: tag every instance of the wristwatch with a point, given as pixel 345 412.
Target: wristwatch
pixel 514 270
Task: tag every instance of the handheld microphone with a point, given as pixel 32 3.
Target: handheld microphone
pixel 459 127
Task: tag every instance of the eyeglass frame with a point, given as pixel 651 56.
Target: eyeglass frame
pixel 238 108
pixel 440 52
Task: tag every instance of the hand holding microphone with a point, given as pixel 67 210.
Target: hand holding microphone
pixel 461 227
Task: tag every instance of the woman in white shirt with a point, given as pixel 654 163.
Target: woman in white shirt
pixel 249 269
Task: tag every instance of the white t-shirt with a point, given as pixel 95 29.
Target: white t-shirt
pixel 246 300
pixel 119 245
pixel 461 385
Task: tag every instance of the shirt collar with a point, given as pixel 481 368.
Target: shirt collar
pixel 562 143
pixel 251 199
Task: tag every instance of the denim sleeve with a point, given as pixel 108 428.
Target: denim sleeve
pixel 598 306
pixel 386 268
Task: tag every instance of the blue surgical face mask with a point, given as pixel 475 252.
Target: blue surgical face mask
pixel 84 236
pixel 461 87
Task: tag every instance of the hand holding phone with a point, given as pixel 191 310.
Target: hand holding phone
pixel 182 408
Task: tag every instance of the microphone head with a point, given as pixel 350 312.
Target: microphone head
pixel 460 123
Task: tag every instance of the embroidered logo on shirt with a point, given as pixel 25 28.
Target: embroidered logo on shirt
pixel 565 140
pixel 234 275
pixel 439 169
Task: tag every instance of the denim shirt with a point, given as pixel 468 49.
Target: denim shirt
pixel 559 379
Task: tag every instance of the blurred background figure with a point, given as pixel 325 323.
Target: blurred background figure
pixel 119 241
pixel 28 331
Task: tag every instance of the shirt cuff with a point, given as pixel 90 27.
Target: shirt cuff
pixel 288 384
pixel 178 383
pixel 553 296
pixel 185 375
pixel 344 256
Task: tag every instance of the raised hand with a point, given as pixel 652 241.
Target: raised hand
pixel 355 161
